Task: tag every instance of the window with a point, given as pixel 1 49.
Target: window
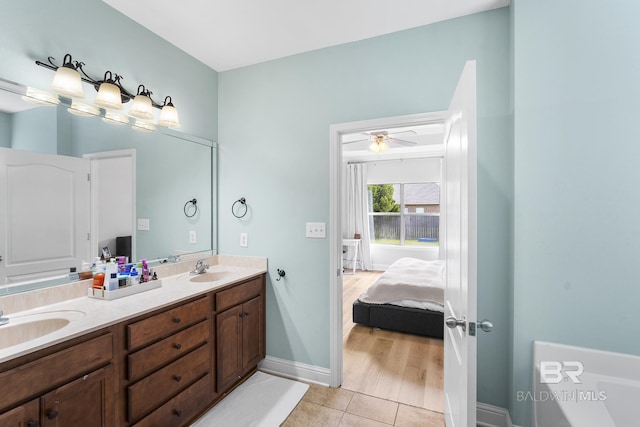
pixel 405 214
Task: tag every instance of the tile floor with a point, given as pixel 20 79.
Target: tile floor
pixel 336 407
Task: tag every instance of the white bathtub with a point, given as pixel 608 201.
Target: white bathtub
pixel 597 388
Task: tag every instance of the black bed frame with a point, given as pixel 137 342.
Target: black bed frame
pixel 402 319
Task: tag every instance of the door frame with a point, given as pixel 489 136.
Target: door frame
pixel 335 226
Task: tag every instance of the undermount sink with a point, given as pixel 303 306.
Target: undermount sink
pixel 23 328
pixel 210 276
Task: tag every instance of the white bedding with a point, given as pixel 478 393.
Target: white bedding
pixel 409 282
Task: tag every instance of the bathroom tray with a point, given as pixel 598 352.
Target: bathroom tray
pixel 124 292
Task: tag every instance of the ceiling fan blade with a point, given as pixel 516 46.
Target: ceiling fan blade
pixel 401 141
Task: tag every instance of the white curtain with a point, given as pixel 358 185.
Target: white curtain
pixel 355 211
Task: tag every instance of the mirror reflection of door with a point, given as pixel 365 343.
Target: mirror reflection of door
pixel 45 215
pixel 113 196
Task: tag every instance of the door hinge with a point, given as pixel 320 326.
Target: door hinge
pixel 338 271
pixel 88 236
pixel 89 177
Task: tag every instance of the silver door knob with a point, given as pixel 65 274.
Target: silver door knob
pixel 452 322
pixel 485 325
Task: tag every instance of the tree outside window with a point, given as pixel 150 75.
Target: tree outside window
pixel 405 214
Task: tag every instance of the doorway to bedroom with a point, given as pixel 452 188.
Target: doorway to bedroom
pixel 390 211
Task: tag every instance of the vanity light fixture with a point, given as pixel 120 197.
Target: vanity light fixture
pixel 83 109
pixel 141 107
pixel 111 95
pixel 67 81
pixel 142 126
pixel 169 115
pixel 40 97
pixel 115 118
pixel 379 144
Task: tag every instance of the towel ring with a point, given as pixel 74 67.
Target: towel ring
pixel 243 203
pixel 195 208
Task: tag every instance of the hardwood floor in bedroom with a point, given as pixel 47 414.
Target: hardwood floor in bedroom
pixel 394 366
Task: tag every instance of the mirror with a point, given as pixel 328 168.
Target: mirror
pixel 171 170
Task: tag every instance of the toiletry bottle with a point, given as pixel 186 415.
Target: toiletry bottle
pixel 98 280
pixel 145 270
pixel 135 278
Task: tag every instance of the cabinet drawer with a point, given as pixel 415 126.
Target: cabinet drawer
pixel 238 294
pixel 148 330
pixel 182 408
pixel 29 380
pixel 155 389
pixel 149 358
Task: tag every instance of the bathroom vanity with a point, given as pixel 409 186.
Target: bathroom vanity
pixel 158 358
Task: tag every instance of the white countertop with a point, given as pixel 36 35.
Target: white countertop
pixel 99 313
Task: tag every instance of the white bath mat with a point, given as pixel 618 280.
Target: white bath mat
pixel 263 400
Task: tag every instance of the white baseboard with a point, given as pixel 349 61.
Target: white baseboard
pixel 296 370
pixel 492 416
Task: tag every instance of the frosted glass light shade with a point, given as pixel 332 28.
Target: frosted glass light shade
pixel 83 109
pixel 109 96
pixel 67 83
pixel 169 117
pixel 141 107
pixel 115 118
pixel 40 97
pixel 142 126
pixel 378 147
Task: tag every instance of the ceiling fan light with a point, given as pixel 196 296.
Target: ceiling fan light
pixel 378 147
pixel 109 96
pixel 67 82
pixel 169 115
pixel 114 118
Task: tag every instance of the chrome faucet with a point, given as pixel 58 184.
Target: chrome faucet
pixel 201 267
pixel 3 320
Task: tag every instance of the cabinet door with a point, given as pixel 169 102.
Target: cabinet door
pixel 87 402
pixel 251 333
pixel 228 346
pixel 26 415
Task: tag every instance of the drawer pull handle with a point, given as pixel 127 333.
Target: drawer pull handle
pixel 178 346
pixel 177 412
pixel 51 414
pixel 177 378
pixel 176 320
pixel 33 424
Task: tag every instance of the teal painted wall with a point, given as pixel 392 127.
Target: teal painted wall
pixel 104 39
pixel 274 150
pixel 576 209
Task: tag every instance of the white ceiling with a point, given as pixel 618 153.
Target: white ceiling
pixel 228 34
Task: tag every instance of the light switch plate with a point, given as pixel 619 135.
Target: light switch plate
pixel 143 224
pixel 316 230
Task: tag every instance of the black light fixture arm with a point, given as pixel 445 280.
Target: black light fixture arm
pixel 109 77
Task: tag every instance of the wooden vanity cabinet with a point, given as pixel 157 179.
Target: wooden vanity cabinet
pixel 170 353
pixel 240 331
pixel 66 387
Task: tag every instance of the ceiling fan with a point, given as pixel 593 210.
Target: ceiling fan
pixel 380 139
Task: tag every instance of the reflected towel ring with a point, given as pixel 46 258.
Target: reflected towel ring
pixel 195 207
pixel 239 208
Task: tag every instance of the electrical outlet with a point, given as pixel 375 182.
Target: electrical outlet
pixel 316 230
pixel 143 224
pixel 244 240
pixel 192 237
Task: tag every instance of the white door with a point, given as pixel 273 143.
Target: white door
pixel 45 214
pixel 460 253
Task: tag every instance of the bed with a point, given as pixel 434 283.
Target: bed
pixel 408 297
